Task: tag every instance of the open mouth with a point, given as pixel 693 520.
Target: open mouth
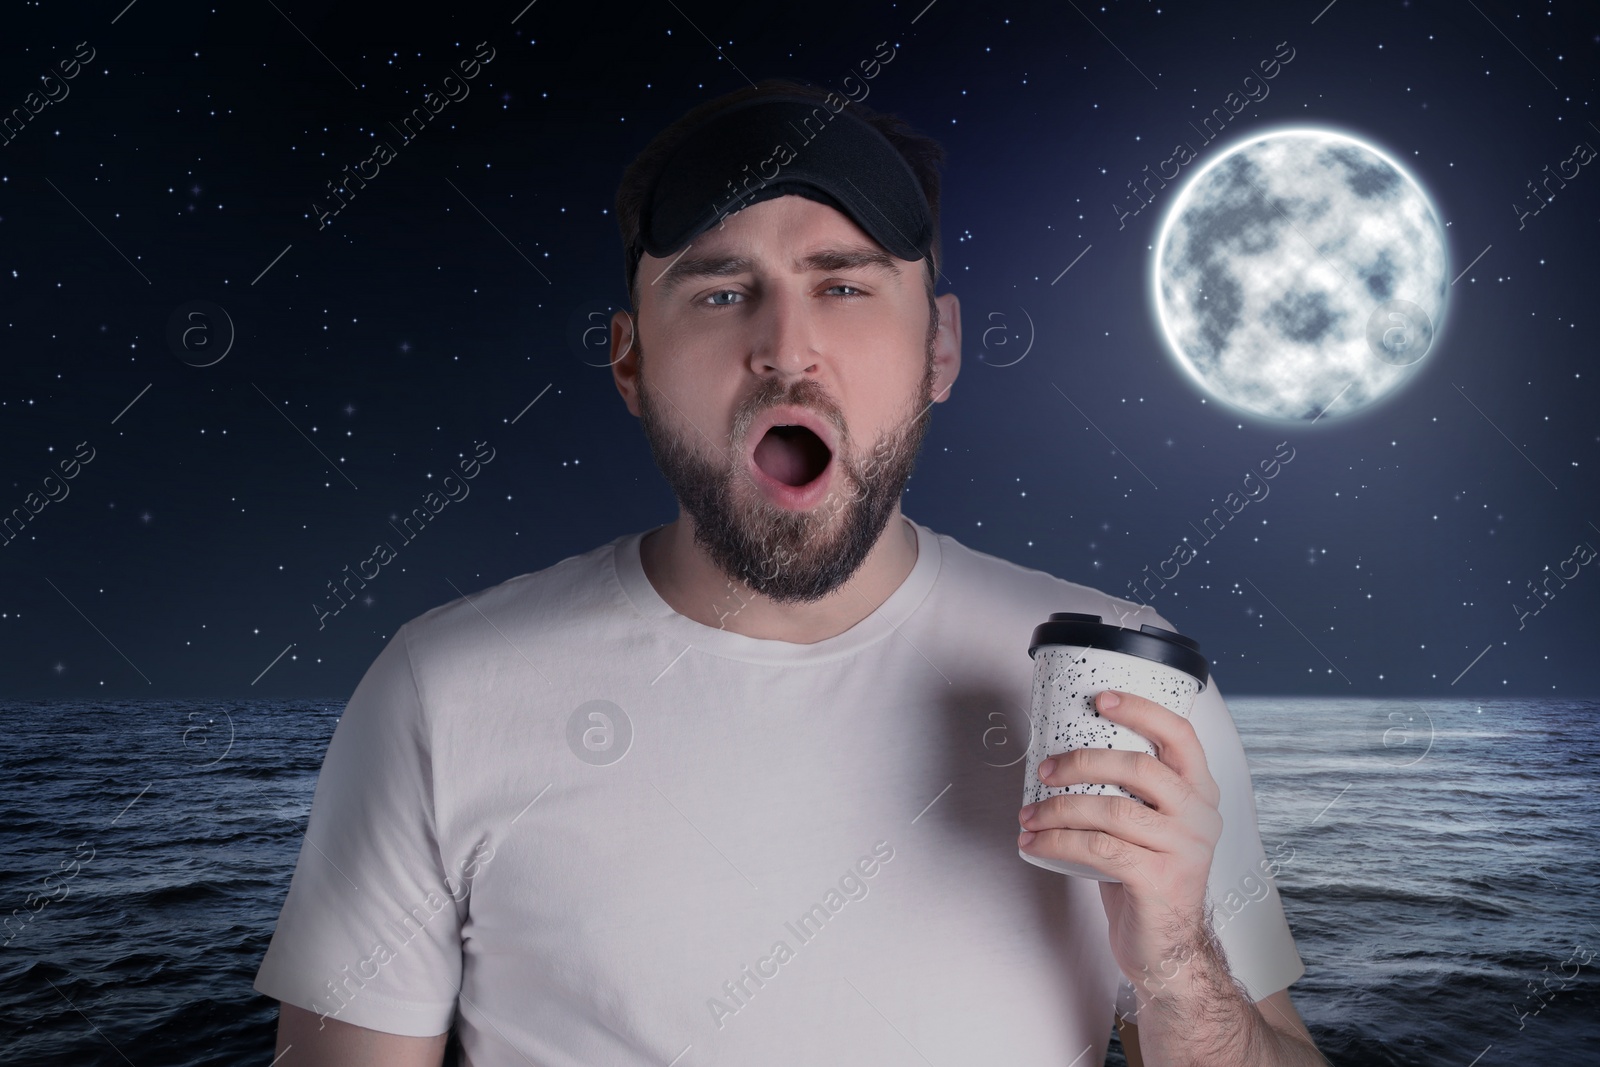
pixel 793 455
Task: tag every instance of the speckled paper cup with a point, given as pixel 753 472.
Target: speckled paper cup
pixel 1075 658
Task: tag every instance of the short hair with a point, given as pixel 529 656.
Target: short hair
pixel 922 153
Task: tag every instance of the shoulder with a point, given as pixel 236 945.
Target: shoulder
pixel 975 577
pixel 515 614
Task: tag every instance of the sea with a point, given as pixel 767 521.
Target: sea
pixel 1437 862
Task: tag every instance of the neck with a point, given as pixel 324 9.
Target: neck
pixel 693 586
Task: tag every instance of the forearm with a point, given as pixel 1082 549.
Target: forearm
pixel 1202 1016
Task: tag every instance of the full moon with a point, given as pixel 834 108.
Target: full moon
pixel 1301 274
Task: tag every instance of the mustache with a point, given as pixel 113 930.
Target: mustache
pixel 805 393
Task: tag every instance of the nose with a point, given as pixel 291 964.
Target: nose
pixel 785 342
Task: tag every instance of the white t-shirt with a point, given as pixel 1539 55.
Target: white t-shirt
pixel 594 831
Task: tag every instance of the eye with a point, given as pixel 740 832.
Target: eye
pixel 723 292
pixel 854 291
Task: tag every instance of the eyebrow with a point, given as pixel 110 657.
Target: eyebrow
pixel 714 265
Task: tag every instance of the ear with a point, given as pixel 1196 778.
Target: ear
pixel 946 346
pixel 625 359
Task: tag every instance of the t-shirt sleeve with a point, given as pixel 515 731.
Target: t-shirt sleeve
pixel 370 933
pixel 1247 913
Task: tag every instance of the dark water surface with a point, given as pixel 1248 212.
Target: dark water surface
pixel 1443 888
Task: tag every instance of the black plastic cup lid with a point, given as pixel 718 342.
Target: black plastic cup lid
pixel 1084 630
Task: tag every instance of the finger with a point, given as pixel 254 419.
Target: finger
pixel 1120 817
pixel 1092 848
pixel 1176 743
pixel 1153 781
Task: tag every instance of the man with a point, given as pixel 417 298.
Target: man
pixel 730 790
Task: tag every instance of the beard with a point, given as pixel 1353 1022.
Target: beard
pixel 789 556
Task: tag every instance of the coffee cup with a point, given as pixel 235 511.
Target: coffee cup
pixel 1077 656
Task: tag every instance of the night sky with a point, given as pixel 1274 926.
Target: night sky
pixel 180 524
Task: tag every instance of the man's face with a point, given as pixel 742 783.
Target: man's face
pixel 787 336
